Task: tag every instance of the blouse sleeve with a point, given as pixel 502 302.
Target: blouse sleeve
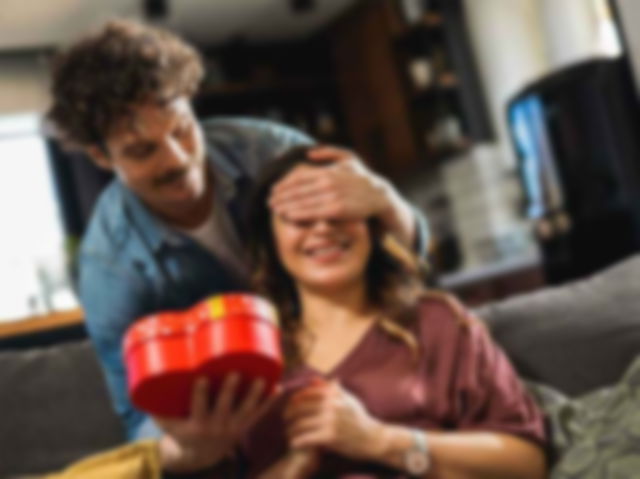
pixel 488 393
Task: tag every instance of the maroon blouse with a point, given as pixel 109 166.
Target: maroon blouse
pixel 461 381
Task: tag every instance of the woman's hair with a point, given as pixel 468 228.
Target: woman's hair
pixel 393 281
pixel 101 76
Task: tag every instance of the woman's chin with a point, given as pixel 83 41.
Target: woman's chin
pixel 332 283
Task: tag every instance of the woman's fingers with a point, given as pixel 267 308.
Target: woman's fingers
pixel 308 401
pixel 226 417
pixel 305 425
pixel 224 402
pixel 199 400
pixel 251 399
pixel 316 390
pixel 262 408
pixel 313 438
pixel 295 411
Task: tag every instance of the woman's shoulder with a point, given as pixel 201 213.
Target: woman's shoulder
pixel 446 327
pixel 442 311
pixel 443 305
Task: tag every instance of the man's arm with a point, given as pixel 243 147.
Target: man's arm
pixel 254 142
pixel 348 189
pixel 112 301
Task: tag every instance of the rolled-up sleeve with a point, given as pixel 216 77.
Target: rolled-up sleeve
pixel 489 394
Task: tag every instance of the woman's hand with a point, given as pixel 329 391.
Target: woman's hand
pixel 324 415
pixel 210 433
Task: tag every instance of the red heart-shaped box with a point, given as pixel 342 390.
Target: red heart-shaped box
pixel 166 352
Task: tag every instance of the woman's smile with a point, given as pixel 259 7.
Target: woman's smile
pixel 327 252
pixel 322 252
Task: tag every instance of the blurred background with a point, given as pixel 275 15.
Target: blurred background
pixel 513 124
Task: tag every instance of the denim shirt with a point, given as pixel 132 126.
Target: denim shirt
pixel 131 264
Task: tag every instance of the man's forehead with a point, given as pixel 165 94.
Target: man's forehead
pixel 146 119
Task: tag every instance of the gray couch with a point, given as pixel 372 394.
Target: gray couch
pixel 54 407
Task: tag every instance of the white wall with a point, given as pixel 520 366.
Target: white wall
pixel 508 41
pixel 23 84
pixel 579 29
pixel 630 18
pixel 571 30
pixel 32 24
pixel 46 23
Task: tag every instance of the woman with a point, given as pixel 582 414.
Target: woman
pixel 384 379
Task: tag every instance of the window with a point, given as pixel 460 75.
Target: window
pixel 33 274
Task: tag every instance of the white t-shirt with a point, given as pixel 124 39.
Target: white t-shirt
pixel 218 235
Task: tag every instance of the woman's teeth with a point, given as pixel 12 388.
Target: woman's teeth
pixel 327 250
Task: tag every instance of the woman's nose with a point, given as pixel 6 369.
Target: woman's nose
pixel 322 225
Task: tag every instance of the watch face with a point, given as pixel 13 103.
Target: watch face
pixel 417 462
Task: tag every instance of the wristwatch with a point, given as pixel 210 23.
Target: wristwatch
pixel 417 460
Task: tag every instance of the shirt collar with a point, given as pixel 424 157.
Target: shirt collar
pixel 154 231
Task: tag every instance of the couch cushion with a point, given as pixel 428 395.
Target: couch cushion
pixel 54 407
pixel 575 337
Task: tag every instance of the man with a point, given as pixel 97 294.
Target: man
pixel 167 232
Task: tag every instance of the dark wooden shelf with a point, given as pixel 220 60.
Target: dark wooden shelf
pixel 388 114
pixel 257 88
pixel 432 20
pixel 446 82
pixel 429 22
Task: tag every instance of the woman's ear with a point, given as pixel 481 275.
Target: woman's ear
pixel 99 157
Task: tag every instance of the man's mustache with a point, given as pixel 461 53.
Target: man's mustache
pixel 170 177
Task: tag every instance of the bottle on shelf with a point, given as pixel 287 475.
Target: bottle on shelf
pixel 421 73
pixel 412 10
pixel 325 125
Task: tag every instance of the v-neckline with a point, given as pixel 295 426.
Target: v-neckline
pixel 348 357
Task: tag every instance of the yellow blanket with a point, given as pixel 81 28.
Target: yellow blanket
pixel 139 460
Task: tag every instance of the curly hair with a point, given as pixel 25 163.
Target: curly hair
pixel 97 79
pixel 393 278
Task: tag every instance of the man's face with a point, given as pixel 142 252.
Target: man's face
pixel 158 152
